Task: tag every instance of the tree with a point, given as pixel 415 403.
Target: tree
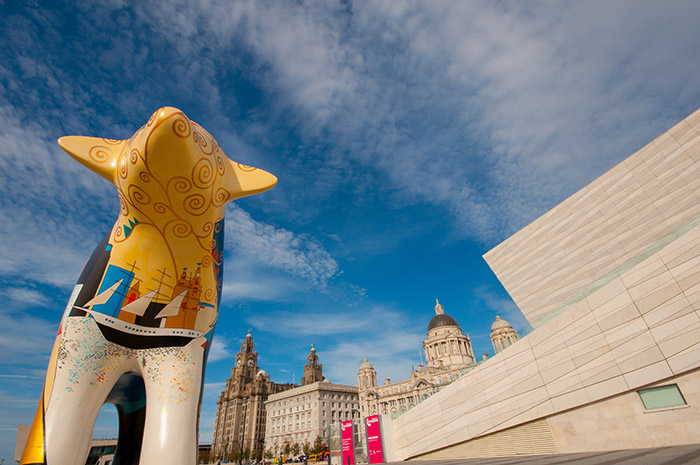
pixel 307 448
pixel 204 457
pixel 296 448
pixel 318 445
pixel 286 448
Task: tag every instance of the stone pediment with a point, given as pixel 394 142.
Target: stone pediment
pixel 422 383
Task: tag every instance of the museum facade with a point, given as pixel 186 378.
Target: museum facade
pixel 609 281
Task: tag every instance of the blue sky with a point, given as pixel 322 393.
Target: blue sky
pixel 409 138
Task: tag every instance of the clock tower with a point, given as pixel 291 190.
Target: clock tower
pixel 246 365
pixel 240 410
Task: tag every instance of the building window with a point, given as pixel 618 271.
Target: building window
pixel 662 397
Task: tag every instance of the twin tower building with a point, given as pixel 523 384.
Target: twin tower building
pixel 254 413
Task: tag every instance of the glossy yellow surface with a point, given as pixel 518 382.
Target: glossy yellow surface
pixel 174 181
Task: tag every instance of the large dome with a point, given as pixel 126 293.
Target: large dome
pixel 442 320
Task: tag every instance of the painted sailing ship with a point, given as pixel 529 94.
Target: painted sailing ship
pixel 140 322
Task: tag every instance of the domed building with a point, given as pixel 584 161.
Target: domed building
pixel 446 346
pixel 448 355
pixel 502 334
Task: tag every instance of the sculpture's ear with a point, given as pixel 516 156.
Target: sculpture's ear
pixel 244 180
pixel 100 155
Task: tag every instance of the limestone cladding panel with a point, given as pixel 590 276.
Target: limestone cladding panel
pixel 606 227
pixel 637 327
pixel 301 414
pixel 622 422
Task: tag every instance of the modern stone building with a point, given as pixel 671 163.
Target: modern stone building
pixel 448 355
pixel 301 414
pixel 239 424
pixel 609 281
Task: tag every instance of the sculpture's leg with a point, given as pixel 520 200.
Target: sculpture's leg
pixel 130 436
pixel 34 453
pixel 88 367
pixel 173 378
pixel 129 397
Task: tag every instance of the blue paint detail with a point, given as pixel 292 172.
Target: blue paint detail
pixel 217 253
pixel 108 248
pixel 112 276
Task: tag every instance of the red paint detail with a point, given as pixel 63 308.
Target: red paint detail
pixel 204 346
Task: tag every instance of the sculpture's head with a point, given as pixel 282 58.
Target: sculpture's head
pixel 171 169
pixel 173 183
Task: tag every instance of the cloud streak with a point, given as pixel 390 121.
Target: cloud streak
pixel 301 256
pixel 483 109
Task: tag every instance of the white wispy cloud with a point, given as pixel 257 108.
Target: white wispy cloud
pixel 389 335
pixel 17 347
pixel 52 207
pixel 484 109
pixel 25 296
pixel 220 349
pixel 299 255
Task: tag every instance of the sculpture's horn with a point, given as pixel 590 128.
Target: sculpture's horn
pixel 100 155
pixel 246 180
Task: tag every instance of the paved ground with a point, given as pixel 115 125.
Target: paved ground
pixel 676 455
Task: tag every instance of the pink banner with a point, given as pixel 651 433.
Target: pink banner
pixel 374 440
pixel 346 444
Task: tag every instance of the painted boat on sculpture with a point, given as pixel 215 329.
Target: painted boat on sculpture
pixel 123 329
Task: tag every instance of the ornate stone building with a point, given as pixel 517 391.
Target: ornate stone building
pixel 502 334
pixel 313 371
pixel 446 346
pixel 301 414
pixel 240 411
pixel 448 354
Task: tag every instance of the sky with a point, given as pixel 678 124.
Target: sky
pixel 409 138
